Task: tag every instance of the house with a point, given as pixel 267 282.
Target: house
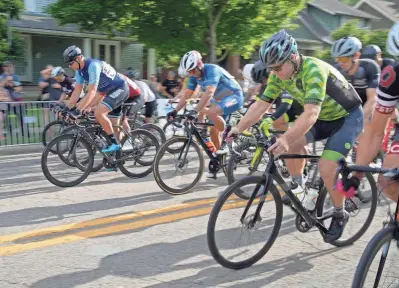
pixel 387 12
pixel 45 42
pixel 319 18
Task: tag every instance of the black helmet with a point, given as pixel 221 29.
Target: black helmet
pixel 259 72
pixel 71 52
pixel 370 52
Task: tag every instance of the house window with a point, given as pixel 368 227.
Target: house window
pixel 108 51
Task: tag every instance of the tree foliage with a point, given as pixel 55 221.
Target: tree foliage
pixel 12 8
pixel 172 27
pixel 366 36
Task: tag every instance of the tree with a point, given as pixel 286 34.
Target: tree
pixel 12 8
pixel 214 27
pixel 366 36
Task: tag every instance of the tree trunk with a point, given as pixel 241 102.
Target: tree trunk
pixel 213 20
pixel 212 45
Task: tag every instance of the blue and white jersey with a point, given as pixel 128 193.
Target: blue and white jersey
pixel 215 76
pixel 100 73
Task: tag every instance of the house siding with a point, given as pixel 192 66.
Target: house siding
pixel 382 23
pixel 48 50
pixel 327 21
pixel 301 32
pixel 42 4
pixel 132 56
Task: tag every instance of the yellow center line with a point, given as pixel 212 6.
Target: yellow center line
pixel 18 248
pixel 101 221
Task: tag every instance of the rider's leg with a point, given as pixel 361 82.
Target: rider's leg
pixel 389 186
pixel 102 117
pixel 214 114
pixel 295 166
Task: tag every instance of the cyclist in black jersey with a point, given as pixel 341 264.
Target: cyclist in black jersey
pixel 387 101
pixel 363 74
pixel 67 83
pixel 373 52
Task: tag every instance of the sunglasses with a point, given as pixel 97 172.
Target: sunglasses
pixel 276 68
pixel 343 59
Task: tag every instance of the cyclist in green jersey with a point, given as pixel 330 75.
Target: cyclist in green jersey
pixel 332 109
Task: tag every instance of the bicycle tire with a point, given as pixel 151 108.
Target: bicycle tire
pixel 159 156
pixel 160 134
pixel 384 235
pixel 154 142
pixel 47 173
pixel 374 201
pixel 218 207
pixel 231 164
pixel 47 127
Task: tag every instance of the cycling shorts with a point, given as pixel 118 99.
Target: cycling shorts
pixel 341 133
pixel 230 104
pixel 115 98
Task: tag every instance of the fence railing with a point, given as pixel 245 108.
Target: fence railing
pixel 23 122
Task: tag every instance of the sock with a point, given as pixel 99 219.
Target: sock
pixel 298 179
pixel 339 211
pixel 112 137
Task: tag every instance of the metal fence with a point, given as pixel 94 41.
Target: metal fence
pixel 23 122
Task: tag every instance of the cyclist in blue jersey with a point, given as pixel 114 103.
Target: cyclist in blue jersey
pixel 104 84
pixel 220 89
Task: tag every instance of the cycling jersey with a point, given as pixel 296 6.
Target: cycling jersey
pixel 366 76
pixel 386 62
pixel 215 76
pixel 318 83
pixel 67 86
pixel 100 73
pixel 388 90
pixel 149 96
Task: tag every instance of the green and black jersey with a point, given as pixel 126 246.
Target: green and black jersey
pixel 318 83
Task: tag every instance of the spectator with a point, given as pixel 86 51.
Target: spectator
pixel 169 86
pixel 14 88
pixel 12 83
pixel 155 85
pixel 51 90
pixel 4 97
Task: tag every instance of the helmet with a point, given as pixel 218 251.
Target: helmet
pixel 277 48
pixel 182 72
pixel 246 72
pixel 259 72
pixel 131 73
pixel 370 52
pixel 346 46
pixel 57 71
pixel 393 40
pixel 70 53
pixel 191 60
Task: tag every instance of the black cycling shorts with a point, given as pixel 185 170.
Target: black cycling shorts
pixel 114 99
pixel 150 108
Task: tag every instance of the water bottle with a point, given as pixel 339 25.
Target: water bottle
pixel 209 144
pixel 310 200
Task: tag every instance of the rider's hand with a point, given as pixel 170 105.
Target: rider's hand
pixel 281 146
pixel 233 132
pixel 75 114
pixel 172 114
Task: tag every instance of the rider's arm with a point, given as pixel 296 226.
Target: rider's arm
pixel 285 105
pixel 94 78
pixel 371 92
pixel 191 85
pixel 253 115
pixel 77 91
pixel 315 85
pixel 208 94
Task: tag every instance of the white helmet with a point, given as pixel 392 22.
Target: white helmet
pixel 182 73
pixel 346 46
pixel 393 40
pixel 56 71
pixel 246 72
pixel 191 60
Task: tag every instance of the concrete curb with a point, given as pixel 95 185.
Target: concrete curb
pixel 21 149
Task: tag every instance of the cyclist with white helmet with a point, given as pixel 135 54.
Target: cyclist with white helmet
pixel 363 74
pixel 219 88
pixel 332 110
pixel 387 101
pixel 67 83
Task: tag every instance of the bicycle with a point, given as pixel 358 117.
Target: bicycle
pixel 383 240
pixel 85 137
pixel 181 157
pixel 262 188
